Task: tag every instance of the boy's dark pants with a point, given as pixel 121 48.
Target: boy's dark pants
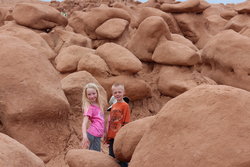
pixel 111 153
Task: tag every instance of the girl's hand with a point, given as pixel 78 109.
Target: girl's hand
pixel 85 142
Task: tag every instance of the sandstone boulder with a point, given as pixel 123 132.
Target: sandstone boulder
pixel 68 58
pixel 216 24
pixel 195 6
pixel 97 16
pixel 238 22
pixel 225 59
pixel 119 59
pixel 129 136
pixel 76 22
pixel 14 154
pixel 29 36
pixel 59 38
pixel 33 106
pixel 112 28
pixel 243 8
pixel 143 43
pixel 89 158
pixel 174 80
pixel 206 126
pixel 169 19
pixel 180 39
pixel 94 64
pixel 194 27
pixel 174 53
pixel 137 91
pixel 38 16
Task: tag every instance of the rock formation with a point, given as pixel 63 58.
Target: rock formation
pixel 165 52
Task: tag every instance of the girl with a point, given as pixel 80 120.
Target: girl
pixel 93 111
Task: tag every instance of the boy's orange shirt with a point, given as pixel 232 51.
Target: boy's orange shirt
pixel 119 116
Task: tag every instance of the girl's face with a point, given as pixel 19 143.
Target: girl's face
pixel 91 95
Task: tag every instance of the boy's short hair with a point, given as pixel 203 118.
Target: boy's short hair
pixel 118 85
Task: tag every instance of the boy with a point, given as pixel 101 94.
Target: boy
pixel 119 116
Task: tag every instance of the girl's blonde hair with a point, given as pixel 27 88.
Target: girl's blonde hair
pixel 85 100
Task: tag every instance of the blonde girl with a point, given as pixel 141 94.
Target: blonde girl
pixel 93 112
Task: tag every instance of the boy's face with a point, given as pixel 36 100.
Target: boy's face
pixel 118 93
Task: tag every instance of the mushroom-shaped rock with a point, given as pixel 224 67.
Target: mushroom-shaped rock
pixel 129 136
pixel 112 28
pixel 97 16
pixel 14 154
pixel 168 17
pixel 226 59
pixel 119 59
pixel 38 16
pixel 34 109
pixel 174 80
pixel 205 126
pixel 89 158
pixel 195 6
pixel 147 36
pixel 174 53
pixel 135 89
pixel 68 58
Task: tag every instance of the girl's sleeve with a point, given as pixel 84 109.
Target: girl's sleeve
pixel 88 112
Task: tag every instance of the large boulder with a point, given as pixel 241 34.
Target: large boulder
pixel 168 17
pixel 225 59
pixel 38 16
pixel 174 53
pixel 216 24
pixel 238 22
pixel 76 22
pixel 143 43
pixel 135 89
pixel 29 36
pixel 206 126
pixel 89 158
pixel 196 6
pixel 129 136
pixel 97 16
pixel 59 38
pixel 14 154
pixel 68 58
pixel 175 80
pixel 112 28
pixel 194 27
pixel 94 64
pixel 34 109
pixel 119 59
pixel 181 39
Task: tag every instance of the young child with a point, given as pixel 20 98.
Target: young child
pixel 93 111
pixel 119 116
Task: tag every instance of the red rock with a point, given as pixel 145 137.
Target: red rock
pixel 143 44
pixel 14 154
pixel 203 127
pixel 174 80
pixel 174 53
pixel 226 59
pixel 180 39
pixel 38 16
pixel 129 136
pixel 89 158
pixel 119 59
pixel 238 22
pixel 34 109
